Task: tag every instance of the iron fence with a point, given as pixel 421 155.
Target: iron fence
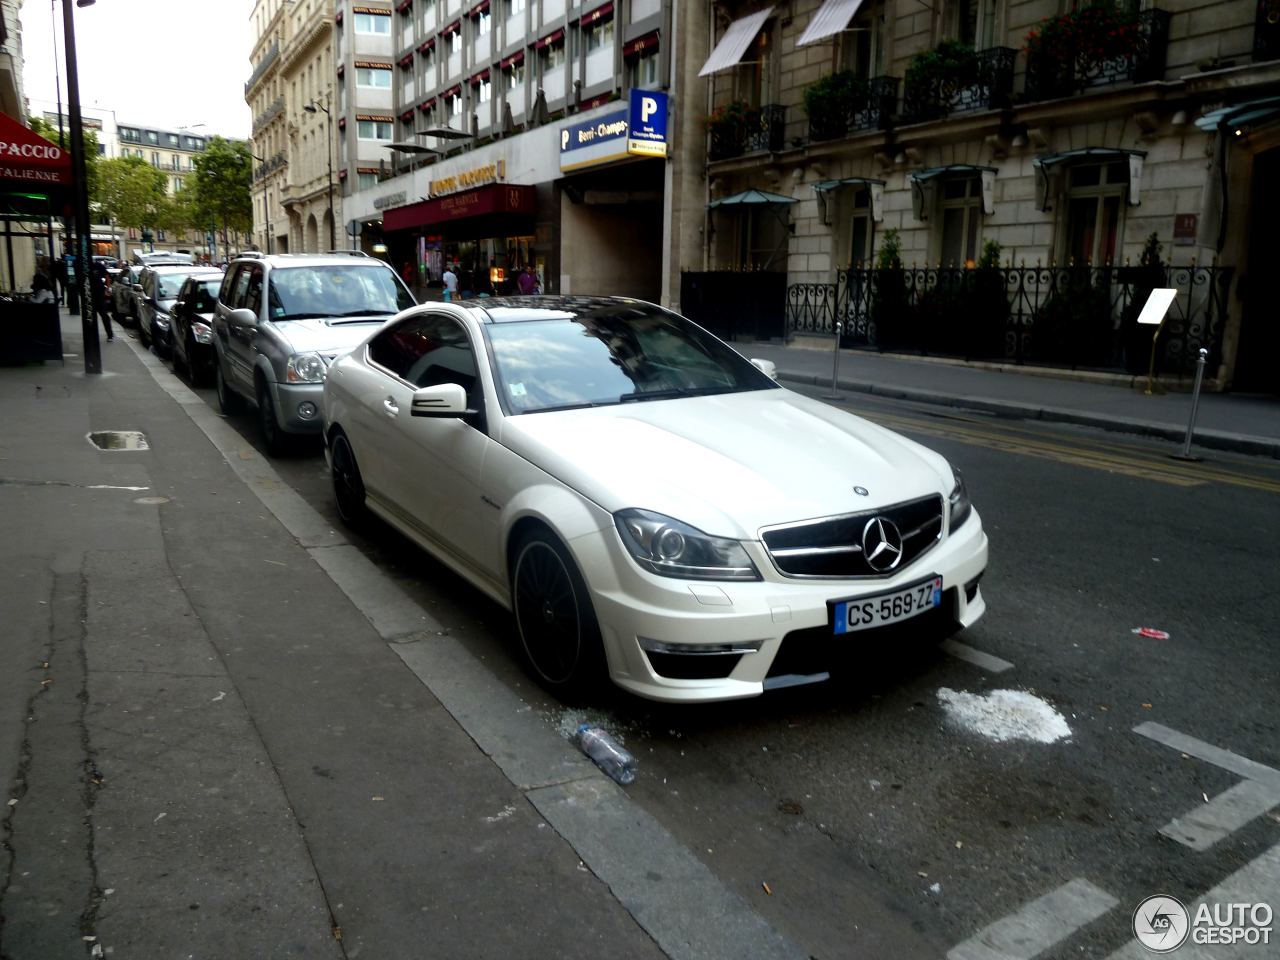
pixel 1059 315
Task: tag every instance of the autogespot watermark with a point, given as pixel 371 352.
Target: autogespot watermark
pixel 1162 924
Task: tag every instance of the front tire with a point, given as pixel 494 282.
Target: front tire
pixel 273 438
pixel 229 402
pixel 556 622
pixel 348 486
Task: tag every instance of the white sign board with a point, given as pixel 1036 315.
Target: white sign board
pixel 1157 306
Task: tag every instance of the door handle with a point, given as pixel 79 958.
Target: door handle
pixel 391 407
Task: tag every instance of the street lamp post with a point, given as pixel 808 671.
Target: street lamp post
pixel 266 208
pixel 328 123
pixel 80 194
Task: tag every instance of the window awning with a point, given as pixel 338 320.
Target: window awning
pixel 924 187
pixel 832 17
pixel 1050 166
pixel 1240 115
pixel 750 197
pixel 876 188
pixel 735 42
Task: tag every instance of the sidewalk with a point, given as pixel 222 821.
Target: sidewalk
pixel 1224 421
pixel 208 750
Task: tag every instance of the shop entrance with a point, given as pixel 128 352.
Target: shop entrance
pixel 1259 332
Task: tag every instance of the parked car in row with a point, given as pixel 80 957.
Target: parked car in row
pixel 279 322
pixel 123 302
pixel 650 505
pixel 155 293
pixel 192 325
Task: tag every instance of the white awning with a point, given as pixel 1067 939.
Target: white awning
pixel 734 43
pixel 831 18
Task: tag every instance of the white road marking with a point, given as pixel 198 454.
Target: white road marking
pixel 1038 925
pixel 1241 766
pixel 1258 881
pixel 1229 811
pixel 984 661
pixel 1224 814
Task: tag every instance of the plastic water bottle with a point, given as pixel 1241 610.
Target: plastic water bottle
pixel 613 759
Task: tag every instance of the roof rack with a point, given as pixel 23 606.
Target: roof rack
pixel 348 253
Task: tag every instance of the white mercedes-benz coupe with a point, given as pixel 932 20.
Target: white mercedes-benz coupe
pixel 644 499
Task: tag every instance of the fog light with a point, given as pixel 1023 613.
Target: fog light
pixel 699 649
pixel 306 410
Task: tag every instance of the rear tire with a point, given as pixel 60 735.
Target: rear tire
pixel 229 402
pixel 348 487
pixel 556 622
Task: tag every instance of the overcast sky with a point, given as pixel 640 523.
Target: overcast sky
pixel 161 63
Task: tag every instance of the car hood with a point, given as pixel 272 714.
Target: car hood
pixel 327 335
pixel 729 464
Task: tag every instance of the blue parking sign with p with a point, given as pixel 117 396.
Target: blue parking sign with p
pixel 647 123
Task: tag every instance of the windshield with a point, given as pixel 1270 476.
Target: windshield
pixel 336 290
pixel 623 354
pixel 168 285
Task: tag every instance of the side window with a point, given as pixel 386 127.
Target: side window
pixel 226 293
pixel 253 295
pixel 428 351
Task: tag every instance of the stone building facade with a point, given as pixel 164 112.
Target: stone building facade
pixel 1065 134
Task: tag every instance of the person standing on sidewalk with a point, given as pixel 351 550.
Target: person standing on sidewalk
pixel 101 282
pixel 450 279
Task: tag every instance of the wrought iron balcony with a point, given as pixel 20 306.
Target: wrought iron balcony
pixel 1131 51
pixel 869 108
pixel 754 130
pixel 983 82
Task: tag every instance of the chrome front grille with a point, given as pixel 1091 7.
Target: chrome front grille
pixel 832 546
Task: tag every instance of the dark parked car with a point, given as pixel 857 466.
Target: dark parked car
pixel 123 303
pixel 157 290
pixel 192 325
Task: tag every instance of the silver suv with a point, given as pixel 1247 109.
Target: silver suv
pixel 280 320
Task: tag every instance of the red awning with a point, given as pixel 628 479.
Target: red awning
pixel 602 12
pixel 29 162
pixel 550 39
pixel 640 45
pixel 426 44
pixel 517 57
pixel 404 5
pixel 478 9
pixel 453 91
pixel 480 77
pixel 494 198
pixel 427 104
pixel 451 28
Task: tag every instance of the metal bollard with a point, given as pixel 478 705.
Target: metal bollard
pixel 835 366
pixel 1185 453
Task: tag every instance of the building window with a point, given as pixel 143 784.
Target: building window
pixel 153 137
pixel 372 25
pixel 861 45
pixel 171 139
pixel 177 184
pixel 175 162
pixel 599 37
pixel 514 76
pixel 484 23
pixel 373 129
pixel 454 43
pixel 155 159
pixel 365 181
pixel 514 7
pixel 643 71
pixel 452 107
pixel 961 217
pixel 484 91
pixel 1095 199
pixel 373 77
pixel 551 57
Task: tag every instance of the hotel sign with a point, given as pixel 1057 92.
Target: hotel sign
pixel 478 177
pixel 390 200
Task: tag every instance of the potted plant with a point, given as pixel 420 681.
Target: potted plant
pixel 831 102
pixel 728 125
pixel 1066 51
pixel 935 79
pixel 889 300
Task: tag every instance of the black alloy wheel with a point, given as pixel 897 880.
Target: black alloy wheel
pixel 554 616
pixel 144 331
pixel 195 371
pixel 181 365
pixel 273 438
pixel 348 488
pixel 229 402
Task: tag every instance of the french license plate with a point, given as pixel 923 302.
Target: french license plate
pixel 886 608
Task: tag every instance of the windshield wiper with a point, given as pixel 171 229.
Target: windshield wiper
pixel 299 316
pixel 570 406
pixel 642 395
pixel 364 313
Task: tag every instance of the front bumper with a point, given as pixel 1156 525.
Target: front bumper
pixel 293 401
pixel 784 623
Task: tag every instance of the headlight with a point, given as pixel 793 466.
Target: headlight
pixel 959 501
pixel 305 368
pixel 674 549
pixel 202 332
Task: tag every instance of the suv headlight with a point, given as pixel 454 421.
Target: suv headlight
pixel 959 501
pixel 673 549
pixel 305 368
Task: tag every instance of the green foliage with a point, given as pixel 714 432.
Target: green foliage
pixel 1098 32
pixel 734 116
pixel 889 256
pixel 222 185
pixel 834 92
pixel 92 162
pixel 132 192
pixel 950 61
pixel 990 258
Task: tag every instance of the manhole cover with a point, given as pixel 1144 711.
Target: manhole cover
pixel 119 440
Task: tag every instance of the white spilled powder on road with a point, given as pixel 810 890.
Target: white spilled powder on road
pixel 1005 715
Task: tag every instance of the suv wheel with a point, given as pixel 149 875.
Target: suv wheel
pixel 273 437
pixel 229 402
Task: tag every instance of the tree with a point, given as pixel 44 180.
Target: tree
pixel 133 192
pixel 91 159
pixel 223 183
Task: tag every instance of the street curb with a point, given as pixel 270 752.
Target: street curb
pixel 1210 439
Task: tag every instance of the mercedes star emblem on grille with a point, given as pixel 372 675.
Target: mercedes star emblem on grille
pixel 881 544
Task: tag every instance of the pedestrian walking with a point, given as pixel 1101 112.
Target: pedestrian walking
pixel 450 278
pixel 527 282
pixel 100 280
pixel 40 292
pixel 60 278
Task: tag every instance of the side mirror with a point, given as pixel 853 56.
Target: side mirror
pixel 442 400
pixel 767 367
pixel 243 317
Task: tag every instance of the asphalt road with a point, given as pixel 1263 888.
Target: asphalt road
pixel 830 808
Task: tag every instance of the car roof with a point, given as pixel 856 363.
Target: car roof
pixel 304 259
pixel 543 307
